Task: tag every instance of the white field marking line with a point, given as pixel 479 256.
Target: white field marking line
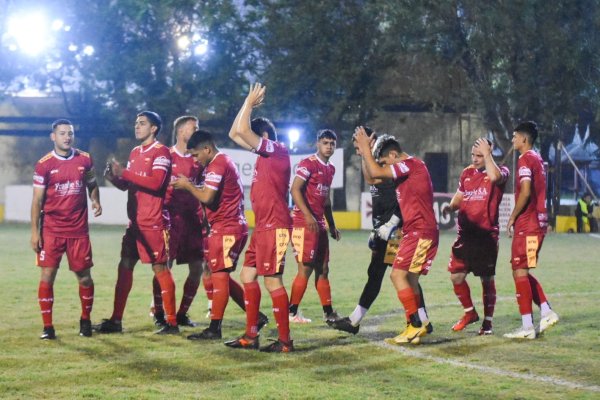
pixel 595 236
pixel 481 368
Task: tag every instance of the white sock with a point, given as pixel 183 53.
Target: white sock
pixel 527 321
pixel 358 314
pixel 545 308
pixel 423 315
pixel 210 304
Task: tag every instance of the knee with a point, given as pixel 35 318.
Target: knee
pixel 457 279
pixel 86 281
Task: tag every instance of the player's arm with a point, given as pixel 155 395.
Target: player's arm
pixel 368 179
pixel 113 173
pixel 520 204
pixel 491 168
pixel 298 197
pixel 372 169
pixel 93 191
pixel 328 212
pixel 204 194
pixel 241 131
pixel 36 212
pixel 155 180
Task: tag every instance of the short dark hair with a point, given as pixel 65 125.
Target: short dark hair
pixel 260 125
pixel 154 119
pixel 180 121
pixel 326 133
pixel 200 138
pixel 528 128
pixel 60 121
pixel 389 145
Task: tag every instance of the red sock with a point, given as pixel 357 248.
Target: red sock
pixel 237 293
pixel 407 298
pixel 208 287
pixel 220 294
pixel 252 299
pixel 298 288
pixel 190 288
pixel 280 310
pixel 324 291
pixel 524 296
pixel 86 296
pixel 158 301
pixel 167 290
pixel 463 293
pixel 46 300
pixel 122 289
pixel 489 297
pixel 537 292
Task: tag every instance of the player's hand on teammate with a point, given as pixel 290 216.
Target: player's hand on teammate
pixel 182 183
pixel 97 208
pixel 256 95
pixel 335 233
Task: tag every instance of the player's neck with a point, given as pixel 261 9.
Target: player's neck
pixel 323 158
pixel 181 147
pixel 149 140
pixel 63 153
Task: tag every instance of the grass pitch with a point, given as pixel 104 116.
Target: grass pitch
pixel 137 364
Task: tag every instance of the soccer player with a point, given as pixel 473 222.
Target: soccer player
pixel 185 232
pixel 59 222
pixel 223 197
pixel 145 178
pixel 265 255
pixel 310 192
pixel 420 232
pixel 528 223
pixel 480 189
pixel 386 220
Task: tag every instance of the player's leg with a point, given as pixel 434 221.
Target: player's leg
pixel 279 297
pixel 463 294
pixel 46 300
pixel 190 288
pixel 322 279
pixel 252 296
pixel 488 284
pixel 163 275
pixel 549 317
pixel 86 297
pixel 208 286
pixel 305 245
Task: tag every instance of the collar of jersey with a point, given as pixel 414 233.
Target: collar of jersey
pixel 149 146
pixel 215 157
pixel 55 154
pixel 321 161
pixel 178 153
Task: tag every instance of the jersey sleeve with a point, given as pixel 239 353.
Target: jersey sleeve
pixel 304 170
pixel 265 148
pixel 40 176
pixel 461 182
pixel 504 175
pixel 524 169
pixel 90 172
pixel 214 174
pixel 400 170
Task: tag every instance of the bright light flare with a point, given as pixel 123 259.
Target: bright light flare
pixel 293 136
pixel 88 50
pixel 183 42
pixel 57 24
pixel 201 48
pixel 30 32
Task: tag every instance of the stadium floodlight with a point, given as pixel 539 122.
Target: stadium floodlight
pixel 30 32
pixel 293 136
pixel 183 42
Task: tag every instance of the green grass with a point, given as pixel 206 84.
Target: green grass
pixel 328 364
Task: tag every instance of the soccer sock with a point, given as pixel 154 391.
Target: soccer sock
pixel 167 290
pixel 158 301
pixel 489 299
pixel 122 289
pixel 220 295
pixel 46 300
pixel 86 296
pixel 407 298
pixel 298 288
pixel 252 299
pixel 280 310
pixel 324 291
pixel 208 287
pixel 358 314
pixel 463 293
pixel 524 300
pixel 190 288
pixel 237 293
pixel 538 295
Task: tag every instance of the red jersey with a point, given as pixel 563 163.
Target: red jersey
pixel 226 213
pixel 533 218
pixel 317 176
pixel 180 201
pixel 65 203
pixel 147 174
pixel 481 200
pixel 415 195
pixel 270 186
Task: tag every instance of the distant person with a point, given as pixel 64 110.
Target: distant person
pixel 145 178
pixel 312 207
pixel 480 189
pixel 59 222
pixel 265 255
pixel 583 213
pixel 420 234
pixel 527 226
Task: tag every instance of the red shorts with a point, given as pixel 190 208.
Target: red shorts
pixel 310 247
pixel 474 254
pixel 79 252
pixel 149 246
pixel 525 250
pixel 185 239
pixel 416 252
pixel 224 250
pixel 266 251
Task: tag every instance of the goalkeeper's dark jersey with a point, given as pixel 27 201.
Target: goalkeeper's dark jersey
pixel 384 202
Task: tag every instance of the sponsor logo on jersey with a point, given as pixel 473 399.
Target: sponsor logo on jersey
pixel 38 179
pixel 476 194
pixel 524 171
pixel 162 161
pixel 68 188
pixel 322 190
pixel 303 171
pixel 213 177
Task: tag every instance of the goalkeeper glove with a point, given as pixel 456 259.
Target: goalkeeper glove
pixel 386 230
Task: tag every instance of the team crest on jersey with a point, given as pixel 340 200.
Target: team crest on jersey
pixel 80 169
pixel 54 171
